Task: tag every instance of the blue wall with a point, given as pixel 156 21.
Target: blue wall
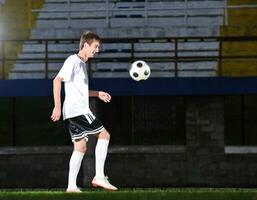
pixel 153 86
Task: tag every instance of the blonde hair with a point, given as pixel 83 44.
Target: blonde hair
pixel 88 37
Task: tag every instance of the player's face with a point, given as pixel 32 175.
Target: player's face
pixel 92 49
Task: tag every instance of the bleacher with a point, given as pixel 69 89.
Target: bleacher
pixel 124 19
pixel 129 18
pixel 1 23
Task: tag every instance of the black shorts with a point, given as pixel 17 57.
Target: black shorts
pixel 82 126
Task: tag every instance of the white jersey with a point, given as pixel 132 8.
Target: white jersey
pixel 74 74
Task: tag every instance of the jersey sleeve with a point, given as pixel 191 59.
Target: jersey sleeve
pixel 67 70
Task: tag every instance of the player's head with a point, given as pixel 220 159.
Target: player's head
pixel 89 43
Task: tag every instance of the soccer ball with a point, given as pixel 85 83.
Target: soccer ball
pixel 139 70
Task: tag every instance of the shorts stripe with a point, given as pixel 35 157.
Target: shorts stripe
pixel 85 134
pixel 90 117
pixel 82 126
pixel 89 132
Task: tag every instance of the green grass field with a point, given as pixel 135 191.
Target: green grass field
pixel 133 194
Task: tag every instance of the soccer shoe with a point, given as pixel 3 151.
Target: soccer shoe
pixel 104 183
pixel 75 190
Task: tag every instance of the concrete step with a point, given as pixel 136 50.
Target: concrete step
pixel 182 4
pixel 125 32
pixel 197 74
pixel 36 75
pixel 38 48
pixel 72 15
pixel 54 14
pixel 126 74
pixel 121 66
pixel 40 75
pixel 30 66
pixel 101 21
pixel 42 56
pixel 197 46
pixel 74 1
pixel 73 23
pixel 157 66
pixel 75 5
pixel 198 65
pixel 133 4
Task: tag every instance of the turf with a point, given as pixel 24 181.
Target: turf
pixel 133 194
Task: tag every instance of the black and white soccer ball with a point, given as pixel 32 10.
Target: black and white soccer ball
pixel 139 70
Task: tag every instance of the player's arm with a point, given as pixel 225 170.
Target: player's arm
pixel 57 85
pixel 93 93
pixel 104 96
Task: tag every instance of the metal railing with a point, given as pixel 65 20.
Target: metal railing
pixel 173 56
pixel 146 12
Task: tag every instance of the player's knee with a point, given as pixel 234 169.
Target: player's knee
pixel 108 136
pixel 104 135
pixel 80 146
pixel 82 149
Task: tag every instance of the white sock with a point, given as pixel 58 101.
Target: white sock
pixel 100 156
pixel 75 163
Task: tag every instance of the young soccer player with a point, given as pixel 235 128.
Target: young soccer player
pixel 76 112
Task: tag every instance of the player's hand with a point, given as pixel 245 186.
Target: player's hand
pixel 56 114
pixel 104 96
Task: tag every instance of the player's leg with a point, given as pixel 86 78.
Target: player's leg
pixel 100 180
pixel 75 163
pixel 101 150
